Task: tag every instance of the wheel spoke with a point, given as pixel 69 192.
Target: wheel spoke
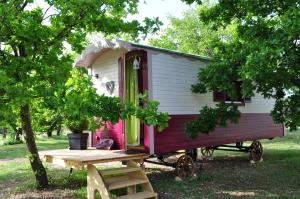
pixel 256 151
pixel 185 166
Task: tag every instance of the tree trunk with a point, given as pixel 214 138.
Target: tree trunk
pixel 58 130
pixel 4 132
pixel 17 131
pixel 49 132
pixel 18 134
pixel 36 163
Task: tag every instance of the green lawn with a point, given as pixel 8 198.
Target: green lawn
pixel 227 175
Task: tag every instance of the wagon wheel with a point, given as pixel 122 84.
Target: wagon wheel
pixel 185 166
pixel 256 151
pixel 207 152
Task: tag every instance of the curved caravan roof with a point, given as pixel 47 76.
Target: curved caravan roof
pixel 92 52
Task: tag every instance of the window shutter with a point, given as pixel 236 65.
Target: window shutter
pixel 219 96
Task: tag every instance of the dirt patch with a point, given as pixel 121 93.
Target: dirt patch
pixel 46 194
pixel 9 160
pixel 6 188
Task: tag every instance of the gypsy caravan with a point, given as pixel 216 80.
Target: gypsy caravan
pixel 124 69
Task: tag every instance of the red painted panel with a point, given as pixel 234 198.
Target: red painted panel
pixel 252 126
pixel 146 138
pixel 114 132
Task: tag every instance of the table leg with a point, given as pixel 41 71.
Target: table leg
pixel 95 183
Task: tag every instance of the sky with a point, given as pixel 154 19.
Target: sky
pixel 161 9
pixel 147 8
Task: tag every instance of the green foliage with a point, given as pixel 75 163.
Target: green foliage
pixel 263 54
pixel 33 61
pixel 150 115
pixel 78 100
pixel 46 116
pixel 83 108
pixel 210 118
pixel 11 137
pixel 190 35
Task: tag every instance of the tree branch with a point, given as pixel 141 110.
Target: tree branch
pixel 46 13
pixel 24 5
pixel 48 17
pixel 15 51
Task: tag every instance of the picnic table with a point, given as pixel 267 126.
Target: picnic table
pixel 105 180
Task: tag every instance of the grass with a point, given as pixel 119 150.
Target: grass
pixel 43 143
pixel 227 175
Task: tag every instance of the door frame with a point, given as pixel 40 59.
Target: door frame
pixel 144 64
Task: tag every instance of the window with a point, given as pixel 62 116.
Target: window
pixel 224 97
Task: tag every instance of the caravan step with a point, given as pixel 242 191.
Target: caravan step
pixel 139 195
pixel 118 171
pixel 123 182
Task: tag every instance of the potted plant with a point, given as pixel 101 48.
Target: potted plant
pixel 79 107
pixel 77 139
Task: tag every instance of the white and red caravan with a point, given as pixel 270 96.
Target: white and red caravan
pixel 168 76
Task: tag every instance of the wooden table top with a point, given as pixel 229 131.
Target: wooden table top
pixel 79 158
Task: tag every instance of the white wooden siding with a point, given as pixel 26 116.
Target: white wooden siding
pixel 106 65
pixel 172 77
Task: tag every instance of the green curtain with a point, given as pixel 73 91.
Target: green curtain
pixel 132 124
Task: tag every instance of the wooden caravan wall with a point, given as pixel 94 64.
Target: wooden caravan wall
pixel 107 67
pixel 172 77
pixel 252 126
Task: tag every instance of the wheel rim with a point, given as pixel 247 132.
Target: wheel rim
pixel 185 166
pixel 207 152
pixel 256 151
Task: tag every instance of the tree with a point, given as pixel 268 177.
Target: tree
pixel 47 116
pixel 264 54
pixel 33 64
pixel 190 35
pixel 9 117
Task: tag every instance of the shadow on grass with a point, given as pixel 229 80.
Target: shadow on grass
pixel 230 176
pixel 221 177
pixel 235 177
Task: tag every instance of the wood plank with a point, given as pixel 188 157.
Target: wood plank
pixel 114 171
pixel 95 182
pixel 122 182
pixel 139 195
pixel 252 126
pixel 115 179
pixel 91 156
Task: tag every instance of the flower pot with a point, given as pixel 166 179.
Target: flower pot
pixel 78 141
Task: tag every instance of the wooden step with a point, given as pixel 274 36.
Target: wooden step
pixel 114 171
pixel 139 195
pixel 123 182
